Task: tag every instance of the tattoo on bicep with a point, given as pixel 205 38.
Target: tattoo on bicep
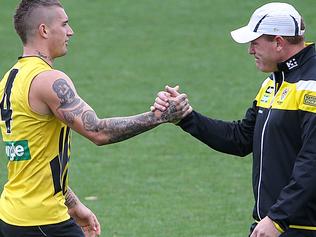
pixel 70 115
pixel 70 106
pixel 65 93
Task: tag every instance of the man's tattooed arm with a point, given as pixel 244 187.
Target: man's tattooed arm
pixel 122 128
pixel 112 129
pixel 119 129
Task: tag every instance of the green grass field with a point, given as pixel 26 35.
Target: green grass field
pixel 163 183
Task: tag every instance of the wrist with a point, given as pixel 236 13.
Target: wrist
pixel 278 227
pixel 71 211
pixel 160 117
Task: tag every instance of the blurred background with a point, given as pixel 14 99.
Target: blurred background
pixel 163 183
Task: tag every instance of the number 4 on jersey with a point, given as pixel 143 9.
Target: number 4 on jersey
pixel 5 104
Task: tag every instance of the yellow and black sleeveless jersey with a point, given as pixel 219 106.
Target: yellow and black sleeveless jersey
pixel 37 148
pixel 280 132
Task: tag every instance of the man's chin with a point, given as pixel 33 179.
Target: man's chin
pixel 62 54
pixel 260 68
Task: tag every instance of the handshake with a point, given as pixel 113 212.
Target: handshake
pixel 170 105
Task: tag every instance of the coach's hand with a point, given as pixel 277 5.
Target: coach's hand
pixel 265 228
pixel 85 218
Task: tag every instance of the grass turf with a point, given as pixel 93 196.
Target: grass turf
pixel 162 183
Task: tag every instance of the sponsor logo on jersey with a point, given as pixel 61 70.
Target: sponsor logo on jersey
pixel 17 150
pixel 269 90
pixel 266 96
pixel 310 100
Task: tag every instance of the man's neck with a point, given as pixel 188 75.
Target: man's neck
pixel 39 53
pixel 293 50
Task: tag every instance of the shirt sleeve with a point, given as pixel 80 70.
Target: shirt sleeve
pixel 234 138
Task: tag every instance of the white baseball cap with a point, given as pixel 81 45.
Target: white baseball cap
pixel 271 19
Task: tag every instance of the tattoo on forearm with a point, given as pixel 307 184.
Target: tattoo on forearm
pixel 118 129
pixel 70 105
pixel 123 129
pixel 71 199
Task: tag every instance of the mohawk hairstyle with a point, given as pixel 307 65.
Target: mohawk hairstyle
pixel 23 14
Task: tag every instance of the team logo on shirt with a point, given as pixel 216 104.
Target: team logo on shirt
pixel 17 150
pixel 284 94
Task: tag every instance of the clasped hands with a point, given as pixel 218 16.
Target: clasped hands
pixel 171 105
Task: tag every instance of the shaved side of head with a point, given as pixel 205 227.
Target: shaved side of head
pixel 30 14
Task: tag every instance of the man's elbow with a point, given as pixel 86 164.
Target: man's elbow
pixel 99 139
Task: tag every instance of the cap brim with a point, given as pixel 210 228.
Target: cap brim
pixel 244 35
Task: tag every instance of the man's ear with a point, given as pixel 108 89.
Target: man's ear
pixel 43 30
pixel 280 42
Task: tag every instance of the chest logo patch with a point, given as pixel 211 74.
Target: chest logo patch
pixel 17 150
pixel 310 100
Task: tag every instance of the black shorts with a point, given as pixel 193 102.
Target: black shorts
pixel 67 228
pixel 291 232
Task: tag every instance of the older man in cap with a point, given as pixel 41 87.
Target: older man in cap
pixel 279 129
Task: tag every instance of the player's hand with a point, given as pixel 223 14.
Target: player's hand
pixel 162 99
pixel 173 91
pixel 178 108
pixel 265 228
pixel 170 105
pixel 85 218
